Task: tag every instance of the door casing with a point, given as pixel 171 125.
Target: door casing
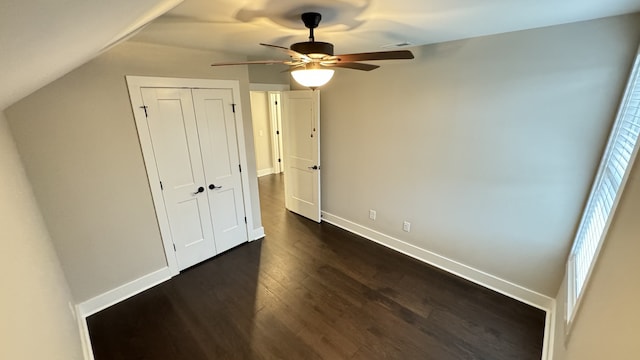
pixel 275 119
pixel 274 111
pixel 134 84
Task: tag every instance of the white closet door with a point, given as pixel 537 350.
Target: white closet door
pixel 172 126
pixel 219 145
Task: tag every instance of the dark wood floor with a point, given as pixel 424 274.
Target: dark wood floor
pixel 314 291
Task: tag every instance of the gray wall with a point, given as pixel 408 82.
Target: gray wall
pixel 268 74
pixel 36 320
pixel 488 146
pixel 261 130
pixel 78 141
pixel 607 324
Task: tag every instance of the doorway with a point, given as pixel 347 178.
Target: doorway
pixel 266 114
pixel 267 129
pixel 286 127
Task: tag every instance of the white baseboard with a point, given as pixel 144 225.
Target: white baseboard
pixel 479 277
pixel 543 302
pixel 111 297
pixel 256 234
pixel 123 292
pixel 265 172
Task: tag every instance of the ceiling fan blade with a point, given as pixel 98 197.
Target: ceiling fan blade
pixel 379 55
pixel 352 65
pixel 293 54
pixel 266 62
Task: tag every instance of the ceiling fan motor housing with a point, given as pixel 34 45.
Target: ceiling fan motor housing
pixel 313 47
pixel 310 48
pixel 313 55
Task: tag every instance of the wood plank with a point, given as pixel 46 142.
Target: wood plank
pixel 314 291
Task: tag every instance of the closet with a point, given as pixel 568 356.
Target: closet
pixel 190 144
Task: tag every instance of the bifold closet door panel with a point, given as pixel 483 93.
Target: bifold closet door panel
pixel 216 122
pixel 172 127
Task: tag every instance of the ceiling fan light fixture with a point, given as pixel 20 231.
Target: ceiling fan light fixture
pixel 309 59
pixel 312 78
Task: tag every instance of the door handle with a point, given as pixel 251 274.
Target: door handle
pixel 212 186
pixel 314 167
pixel 200 189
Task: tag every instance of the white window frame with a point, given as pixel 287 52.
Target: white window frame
pixel 573 298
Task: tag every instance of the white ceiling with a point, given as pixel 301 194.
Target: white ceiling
pixel 361 25
pixel 41 40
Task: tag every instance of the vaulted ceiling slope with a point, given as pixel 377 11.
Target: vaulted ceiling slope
pixel 41 40
pixel 362 25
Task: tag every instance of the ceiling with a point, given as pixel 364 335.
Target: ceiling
pixel 41 40
pixel 361 25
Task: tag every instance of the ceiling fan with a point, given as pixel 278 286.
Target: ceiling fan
pixel 312 61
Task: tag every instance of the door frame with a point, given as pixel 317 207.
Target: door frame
pixel 134 84
pixel 275 120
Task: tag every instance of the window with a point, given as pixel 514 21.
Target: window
pixel 605 193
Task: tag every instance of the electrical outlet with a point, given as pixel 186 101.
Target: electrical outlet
pixel 406 226
pixel 372 214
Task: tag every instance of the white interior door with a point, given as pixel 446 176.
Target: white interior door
pixel 172 126
pixel 219 145
pixel 301 134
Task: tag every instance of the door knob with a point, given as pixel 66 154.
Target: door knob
pixel 212 186
pixel 200 189
pixel 314 167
